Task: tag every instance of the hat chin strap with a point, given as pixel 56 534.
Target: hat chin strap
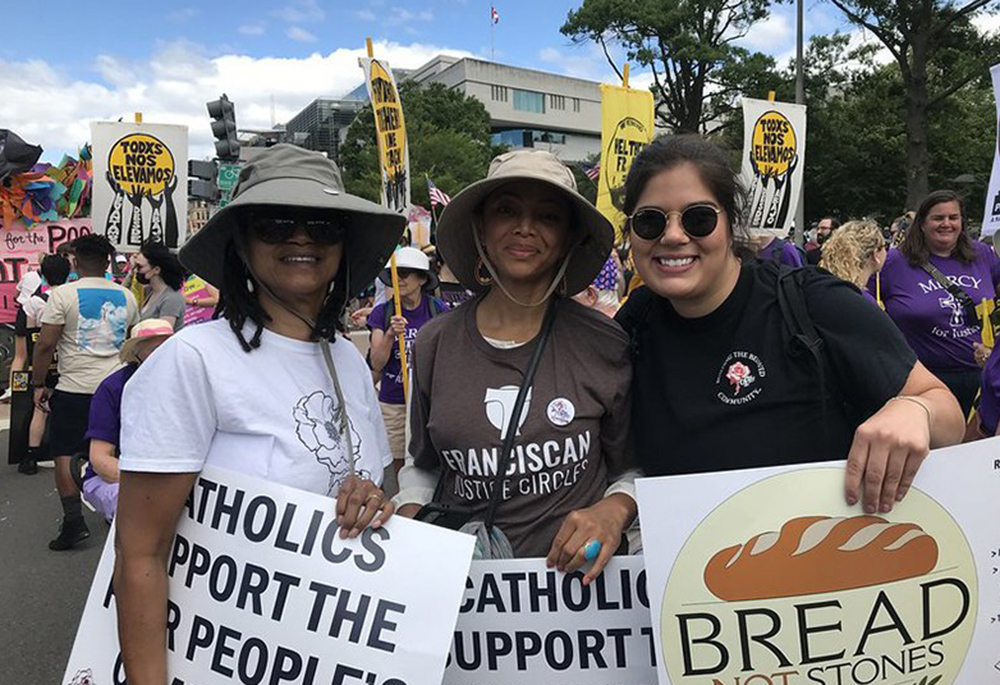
pixel 324 346
pixel 496 278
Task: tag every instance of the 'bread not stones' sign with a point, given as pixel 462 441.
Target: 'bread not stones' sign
pixel 779 582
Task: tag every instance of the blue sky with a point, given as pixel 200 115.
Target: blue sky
pixel 108 59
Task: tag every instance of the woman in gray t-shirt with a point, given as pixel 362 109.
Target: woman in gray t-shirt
pixel 158 268
pixel 522 238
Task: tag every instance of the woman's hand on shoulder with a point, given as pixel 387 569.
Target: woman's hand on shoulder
pixel 361 503
pixel 604 522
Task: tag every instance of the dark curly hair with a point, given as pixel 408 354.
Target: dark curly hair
pixel 239 304
pixel 92 251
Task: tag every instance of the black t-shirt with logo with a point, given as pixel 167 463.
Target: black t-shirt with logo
pixel 729 390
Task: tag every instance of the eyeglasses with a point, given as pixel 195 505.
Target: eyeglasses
pixel 697 221
pixel 406 273
pixel 274 227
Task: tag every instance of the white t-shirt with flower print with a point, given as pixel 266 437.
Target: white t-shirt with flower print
pixel 273 413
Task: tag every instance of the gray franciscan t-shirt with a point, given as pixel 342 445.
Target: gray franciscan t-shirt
pixel 167 303
pixel 573 432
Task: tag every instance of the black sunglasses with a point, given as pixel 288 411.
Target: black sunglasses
pixel 697 221
pixel 276 227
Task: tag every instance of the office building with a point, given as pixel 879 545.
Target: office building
pixel 527 107
pixel 322 125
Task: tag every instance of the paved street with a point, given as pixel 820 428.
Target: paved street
pixel 42 593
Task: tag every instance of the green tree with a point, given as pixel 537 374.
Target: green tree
pixel 937 52
pixel 688 45
pixel 449 138
pixel 856 153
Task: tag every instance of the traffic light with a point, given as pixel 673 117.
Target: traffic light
pixel 201 180
pixel 223 114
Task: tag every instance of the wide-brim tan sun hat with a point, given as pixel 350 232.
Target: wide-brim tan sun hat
pixel 290 176
pixel 594 234
pixel 149 329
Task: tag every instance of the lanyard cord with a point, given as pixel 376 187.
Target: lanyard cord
pixel 331 369
pixel 496 277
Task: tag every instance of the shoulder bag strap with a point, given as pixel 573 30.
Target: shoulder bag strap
pixel 508 440
pixel 968 304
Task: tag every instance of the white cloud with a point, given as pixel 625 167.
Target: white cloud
pixel 770 35
pixel 48 108
pixel 183 14
pixel 252 29
pixel 300 34
pixel 401 15
pixel 301 12
pixel 585 61
pixel 987 22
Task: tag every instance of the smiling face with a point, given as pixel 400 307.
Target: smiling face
pixel 525 232
pixel 690 272
pixel 942 227
pixel 296 269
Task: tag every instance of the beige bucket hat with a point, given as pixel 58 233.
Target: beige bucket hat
pixel 455 230
pixel 290 176
pixel 144 330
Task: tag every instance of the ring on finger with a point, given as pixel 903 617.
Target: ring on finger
pixel 374 496
pixel 591 550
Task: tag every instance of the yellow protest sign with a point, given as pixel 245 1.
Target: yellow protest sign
pixel 626 126
pixel 390 130
pixel 985 311
pixel 141 163
pixel 774 137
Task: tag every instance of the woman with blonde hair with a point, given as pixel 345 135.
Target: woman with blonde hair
pixel 855 253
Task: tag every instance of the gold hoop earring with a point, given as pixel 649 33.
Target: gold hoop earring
pixel 483 275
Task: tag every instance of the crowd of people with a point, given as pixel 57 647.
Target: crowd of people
pixel 536 386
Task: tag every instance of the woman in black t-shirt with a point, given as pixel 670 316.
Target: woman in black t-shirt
pixel 720 379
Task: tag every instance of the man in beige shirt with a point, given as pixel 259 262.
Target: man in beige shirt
pixel 87 321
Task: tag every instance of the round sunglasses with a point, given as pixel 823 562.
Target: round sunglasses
pixel 697 221
pixel 274 227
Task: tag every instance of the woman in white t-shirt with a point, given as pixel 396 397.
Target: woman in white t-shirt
pixel 268 390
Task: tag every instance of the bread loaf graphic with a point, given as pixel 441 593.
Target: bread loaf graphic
pixel 815 554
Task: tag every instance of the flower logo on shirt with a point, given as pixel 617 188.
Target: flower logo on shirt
pixel 739 376
pixel 319 420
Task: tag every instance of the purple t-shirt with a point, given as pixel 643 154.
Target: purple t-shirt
pixel 989 405
pixel 106 409
pixel 391 389
pixel 789 253
pixel 931 319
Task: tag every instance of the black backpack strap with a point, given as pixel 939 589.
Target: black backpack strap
pixel 646 300
pixel 799 324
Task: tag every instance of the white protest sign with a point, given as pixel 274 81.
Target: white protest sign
pixel 140 183
pixel 774 162
pixel 523 623
pixel 264 590
pixel 767 577
pixel 991 213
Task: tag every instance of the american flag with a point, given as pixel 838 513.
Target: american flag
pixel 494 15
pixel 592 171
pixel 438 196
